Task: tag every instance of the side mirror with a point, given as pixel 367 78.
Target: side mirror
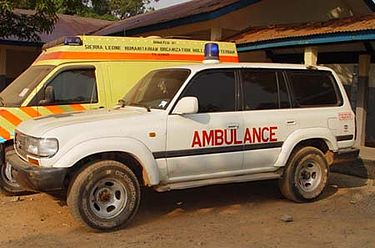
pixel 49 96
pixel 186 105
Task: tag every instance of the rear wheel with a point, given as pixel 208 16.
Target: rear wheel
pixel 8 186
pixel 105 195
pixel 305 175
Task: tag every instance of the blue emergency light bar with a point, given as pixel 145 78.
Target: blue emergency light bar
pixel 73 41
pixel 211 51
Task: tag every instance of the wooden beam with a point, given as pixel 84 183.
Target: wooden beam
pixel 3 57
pixel 311 55
pixel 3 67
pixel 362 97
pixel 216 33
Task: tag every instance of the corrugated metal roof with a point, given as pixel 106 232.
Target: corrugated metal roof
pixel 188 11
pixel 74 25
pixel 290 31
pixel 66 26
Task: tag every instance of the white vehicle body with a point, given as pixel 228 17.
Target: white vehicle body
pixel 177 150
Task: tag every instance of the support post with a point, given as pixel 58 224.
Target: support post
pixel 362 97
pixel 2 67
pixel 311 56
pixel 216 33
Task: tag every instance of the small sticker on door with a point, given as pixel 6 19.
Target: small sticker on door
pixel 345 116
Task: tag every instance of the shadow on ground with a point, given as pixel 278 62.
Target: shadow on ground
pixel 359 167
pixel 216 197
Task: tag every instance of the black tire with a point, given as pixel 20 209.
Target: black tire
pixel 8 186
pixel 105 195
pixel 305 176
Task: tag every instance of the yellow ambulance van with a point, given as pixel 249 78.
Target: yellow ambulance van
pixel 87 72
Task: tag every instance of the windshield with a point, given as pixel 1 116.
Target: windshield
pixel 157 88
pixel 21 87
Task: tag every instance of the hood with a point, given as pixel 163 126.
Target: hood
pixel 39 126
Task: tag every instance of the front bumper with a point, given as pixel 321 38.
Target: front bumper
pixel 36 178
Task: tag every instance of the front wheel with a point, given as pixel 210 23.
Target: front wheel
pixel 8 186
pixel 305 175
pixel 105 195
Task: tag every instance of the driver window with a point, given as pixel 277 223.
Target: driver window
pixel 214 89
pixel 73 86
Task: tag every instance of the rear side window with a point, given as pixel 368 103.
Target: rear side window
pixel 215 90
pixel 314 88
pixel 264 89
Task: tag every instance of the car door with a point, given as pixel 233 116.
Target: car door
pixel 268 119
pixel 72 88
pixel 205 144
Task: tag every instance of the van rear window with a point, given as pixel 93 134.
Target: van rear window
pixel 314 88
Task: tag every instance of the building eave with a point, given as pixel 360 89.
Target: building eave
pixel 308 41
pixel 201 17
pixel 21 43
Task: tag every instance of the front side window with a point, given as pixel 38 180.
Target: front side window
pixel 214 89
pixel 75 86
pixel 314 88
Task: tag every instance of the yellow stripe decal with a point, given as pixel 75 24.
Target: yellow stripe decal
pixel 77 107
pixel 6 124
pixel 30 112
pixel 10 117
pixel 55 109
pixel 4 134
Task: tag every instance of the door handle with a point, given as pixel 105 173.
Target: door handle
pixel 233 126
pixel 100 107
pixel 291 122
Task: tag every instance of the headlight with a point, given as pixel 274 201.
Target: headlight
pixel 42 147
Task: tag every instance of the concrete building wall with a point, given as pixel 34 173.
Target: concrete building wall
pixel 348 74
pixel 370 121
pixel 24 59
pixel 256 56
pixel 14 60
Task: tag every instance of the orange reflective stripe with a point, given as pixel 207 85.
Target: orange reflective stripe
pixel 129 56
pixel 30 112
pixel 4 134
pixel 77 107
pixel 10 117
pixel 229 59
pixel 55 109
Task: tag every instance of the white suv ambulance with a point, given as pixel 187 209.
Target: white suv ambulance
pixel 190 126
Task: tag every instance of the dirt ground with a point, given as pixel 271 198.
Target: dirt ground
pixel 236 215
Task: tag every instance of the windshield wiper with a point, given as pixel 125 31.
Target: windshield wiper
pixel 121 102
pixel 141 105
